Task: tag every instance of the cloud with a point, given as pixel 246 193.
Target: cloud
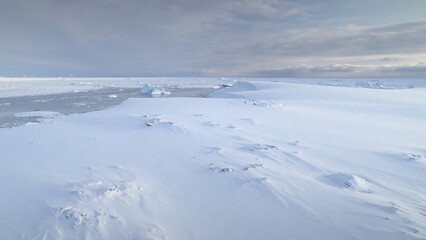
pixel 344 70
pixel 305 70
pixel 191 37
pixel 418 68
pixel 389 59
pixel 345 41
pixel 340 68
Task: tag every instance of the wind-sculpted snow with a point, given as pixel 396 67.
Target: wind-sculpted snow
pixel 259 160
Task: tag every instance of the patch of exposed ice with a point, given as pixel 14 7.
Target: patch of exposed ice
pixel 153 90
pixel 37 114
pixel 4 105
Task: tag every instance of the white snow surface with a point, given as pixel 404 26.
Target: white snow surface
pixel 259 160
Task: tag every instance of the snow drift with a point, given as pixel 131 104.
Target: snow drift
pixel 261 160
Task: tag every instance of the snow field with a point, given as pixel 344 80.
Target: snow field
pixel 259 160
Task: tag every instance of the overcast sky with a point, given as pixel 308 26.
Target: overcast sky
pixel 240 38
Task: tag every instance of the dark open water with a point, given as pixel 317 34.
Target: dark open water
pixel 78 102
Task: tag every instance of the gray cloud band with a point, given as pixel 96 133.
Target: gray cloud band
pixel 333 70
pixel 188 38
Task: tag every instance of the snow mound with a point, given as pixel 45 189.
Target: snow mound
pixel 413 157
pixel 410 157
pixel 158 120
pixel 258 103
pixel 253 166
pixel 153 90
pixel 220 169
pixel 97 208
pixel 37 114
pixel 348 181
pixel 262 147
pixel 231 91
pixel 242 86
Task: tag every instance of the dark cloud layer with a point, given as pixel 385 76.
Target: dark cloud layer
pixel 203 38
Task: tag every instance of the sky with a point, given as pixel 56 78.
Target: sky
pixel 213 38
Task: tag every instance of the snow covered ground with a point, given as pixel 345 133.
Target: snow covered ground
pixel 259 160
